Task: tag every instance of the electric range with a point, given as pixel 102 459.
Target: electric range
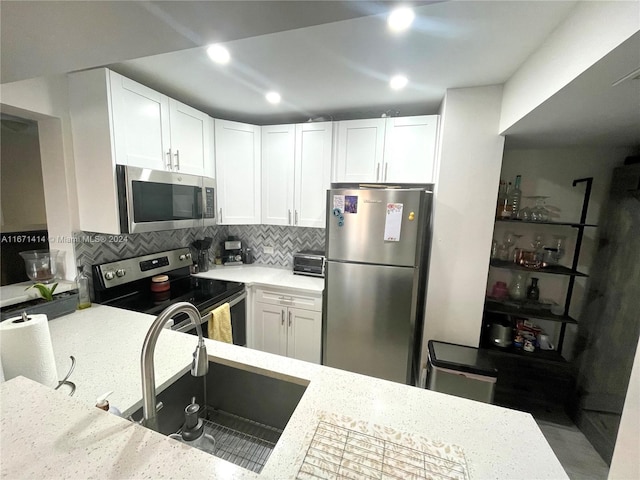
pixel 128 284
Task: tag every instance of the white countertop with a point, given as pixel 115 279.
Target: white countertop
pixel 48 434
pixel 265 276
pixel 17 293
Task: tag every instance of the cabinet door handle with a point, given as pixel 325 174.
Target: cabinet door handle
pixel 296 217
pixel 220 215
pixel 289 319
pixel 282 315
pixel 169 160
pixel 377 172
pixel 386 169
pixel 177 155
pixel 289 217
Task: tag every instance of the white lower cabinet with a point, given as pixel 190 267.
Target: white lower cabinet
pixel 279 326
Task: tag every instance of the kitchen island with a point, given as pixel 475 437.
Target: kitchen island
pixel 47 434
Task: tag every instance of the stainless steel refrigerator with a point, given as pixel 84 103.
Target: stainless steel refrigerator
pixel 377 250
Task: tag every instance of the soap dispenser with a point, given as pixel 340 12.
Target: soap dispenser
pixel 103 404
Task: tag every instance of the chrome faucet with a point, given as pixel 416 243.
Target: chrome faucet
pixel 199 365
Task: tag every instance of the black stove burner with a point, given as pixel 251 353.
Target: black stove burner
pixel 201 292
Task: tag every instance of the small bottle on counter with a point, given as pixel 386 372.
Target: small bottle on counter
pixel 82 283
pixel 103 404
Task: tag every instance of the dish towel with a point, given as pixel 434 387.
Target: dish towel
pixel 220 324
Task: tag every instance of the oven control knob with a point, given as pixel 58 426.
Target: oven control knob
pixel 110 275
pixel 184 256
pixel 121 272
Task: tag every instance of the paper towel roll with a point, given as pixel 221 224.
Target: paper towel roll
pixel 26 350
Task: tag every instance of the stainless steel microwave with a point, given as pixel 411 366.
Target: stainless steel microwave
pixel 152 200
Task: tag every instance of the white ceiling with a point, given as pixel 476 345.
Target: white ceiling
pixel 326 58
pixel 343 68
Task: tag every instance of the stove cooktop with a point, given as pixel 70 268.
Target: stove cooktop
pixel 201 292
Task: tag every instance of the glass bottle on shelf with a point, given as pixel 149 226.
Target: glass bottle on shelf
pixel 505 207
pixel 533 292
pixel 515 196
pixel 502 196
pixel 82 283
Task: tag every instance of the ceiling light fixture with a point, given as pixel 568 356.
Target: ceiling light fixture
pixel 400 19
pixel 218 54
pixel 273 97
pixel 398 82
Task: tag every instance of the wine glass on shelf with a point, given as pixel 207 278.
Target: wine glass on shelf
pixel 510 241
pixel 538 241
pixel 559 242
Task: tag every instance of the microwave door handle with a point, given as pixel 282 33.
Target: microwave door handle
pixel 199 202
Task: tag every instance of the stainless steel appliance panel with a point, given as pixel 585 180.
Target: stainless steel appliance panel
pixel 361 238
pixel 368 325
pixel 154 200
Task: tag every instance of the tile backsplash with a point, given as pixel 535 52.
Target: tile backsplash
pixel 94 248
pixel 285 241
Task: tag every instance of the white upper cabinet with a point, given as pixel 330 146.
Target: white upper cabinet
pixel 140 124
pixel 397 149
pixel 237 152
pixel 154 131
pixel 296 170
pixel 191 132
pixel 314 142
pixel 278 142
pixel 410 149
pixel 359 150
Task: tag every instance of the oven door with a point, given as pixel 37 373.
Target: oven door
pixel 238 307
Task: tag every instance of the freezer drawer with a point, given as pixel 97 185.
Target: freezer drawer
pixel 369 319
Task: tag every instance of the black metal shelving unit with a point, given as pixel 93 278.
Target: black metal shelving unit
pixel 524 309
pixel 539 382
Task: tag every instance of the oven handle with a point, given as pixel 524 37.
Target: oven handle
pixel 186 325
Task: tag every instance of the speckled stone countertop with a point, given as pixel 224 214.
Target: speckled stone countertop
pixel 46 434
pixel 265 276
pixel 17 293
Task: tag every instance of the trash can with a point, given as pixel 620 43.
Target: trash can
pixel 461 371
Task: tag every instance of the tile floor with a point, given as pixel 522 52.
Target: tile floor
pixel 578 457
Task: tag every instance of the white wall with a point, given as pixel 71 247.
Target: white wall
pixel 593 29
pixel 625 464
pixel 45 100
pixel 551 172
pixel 466 191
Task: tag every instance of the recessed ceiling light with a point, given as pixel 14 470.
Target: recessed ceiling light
pixel 218 54
pixel 398 82
pixel 400 19
pixel 273 97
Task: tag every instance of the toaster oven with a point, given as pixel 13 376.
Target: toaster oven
pixel 309 262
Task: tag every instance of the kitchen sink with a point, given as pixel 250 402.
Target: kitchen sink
pixel 244 411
